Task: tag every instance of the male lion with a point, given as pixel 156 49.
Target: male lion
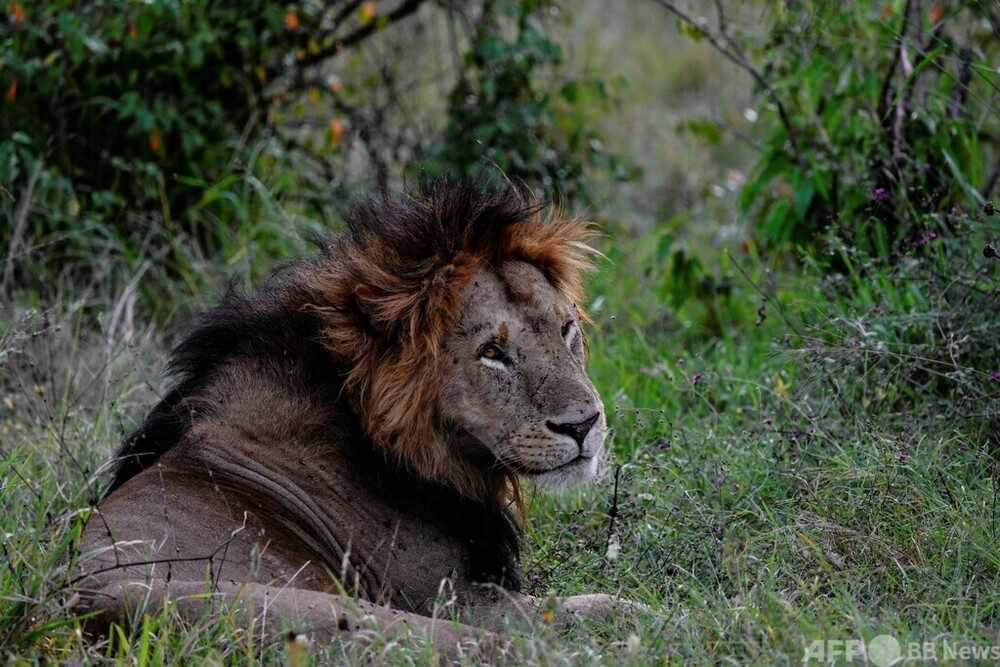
pixel 344 446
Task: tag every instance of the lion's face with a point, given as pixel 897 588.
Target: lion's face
pixel 516 394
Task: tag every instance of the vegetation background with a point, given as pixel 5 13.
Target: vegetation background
pixel 794 331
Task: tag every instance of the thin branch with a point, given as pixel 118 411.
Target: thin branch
pixel 883 93
pixel 344 12
pixel 613 510
pixel 992 179
pixel 20 222
pixel 960 91
pixel 402 11
pixel 734 55
pixel 904 95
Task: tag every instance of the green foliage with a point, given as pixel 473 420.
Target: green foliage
pixel 823 471
pixel 887 121
pixel 828 471
pixel 922 330
pixel 115 101
pixel 143 124
pixel 131 124
pixel 513 109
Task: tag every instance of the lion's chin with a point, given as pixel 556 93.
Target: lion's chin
pixel 580 469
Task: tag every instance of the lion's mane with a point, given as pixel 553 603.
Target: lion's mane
pixel 368 314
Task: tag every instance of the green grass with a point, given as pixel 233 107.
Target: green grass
pixel 831 474
pixel 828 476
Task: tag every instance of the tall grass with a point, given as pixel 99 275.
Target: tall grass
pixel 798 455
pixel 824 471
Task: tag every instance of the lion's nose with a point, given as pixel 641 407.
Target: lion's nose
pixel 576 431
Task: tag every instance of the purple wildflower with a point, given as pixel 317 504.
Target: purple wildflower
pixel 768 421
pixel 696 378
pixel 574 528
pixel 536 579
pixel 792 455
pixel 679 362
pixel 995 376
pixel 879 193
pixel 902 457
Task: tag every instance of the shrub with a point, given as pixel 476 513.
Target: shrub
pixel 878 118
pixel 514 110
pixel 122 116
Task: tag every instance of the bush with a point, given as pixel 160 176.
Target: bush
pixel 130 125
pixel 123 120
pixel 878 118
pixel 515 111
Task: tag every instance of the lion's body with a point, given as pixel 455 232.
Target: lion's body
pixel 356 428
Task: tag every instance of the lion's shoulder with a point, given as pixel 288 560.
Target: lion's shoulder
pixel 251 335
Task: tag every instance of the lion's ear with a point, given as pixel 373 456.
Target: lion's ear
pixel 363 299
pixel 384 313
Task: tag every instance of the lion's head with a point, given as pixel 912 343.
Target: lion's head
pixel 455 314
pixel 514 391
pixel 449 319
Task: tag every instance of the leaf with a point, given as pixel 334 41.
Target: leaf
pixel 93 44
pixel 777 225
pixel 693 33
pixel 970 192
pixel 663 248
pixel 704 129
pixel 804 191
pixel 780 162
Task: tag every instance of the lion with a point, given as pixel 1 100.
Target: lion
pixel 344 448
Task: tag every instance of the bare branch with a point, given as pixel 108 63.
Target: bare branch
pixel 734 55
pixel 883 95
pixel 404 9
pixel 992 179
pixel 20 222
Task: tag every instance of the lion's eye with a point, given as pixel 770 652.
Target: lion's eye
pixel 491 352
pixel 572 337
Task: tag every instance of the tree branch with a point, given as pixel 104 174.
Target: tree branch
pixel 404 9
pixel 992 179
pixel 732 52
pixel 883 93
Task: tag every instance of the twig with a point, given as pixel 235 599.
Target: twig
pixel 883 93
pixel 732 52
pixel 903 98
pixel 992 179
pixel 402 11
pixel 613 510
pixel 910 75
pixel 764 295
pixel 960 91
pixel 20 222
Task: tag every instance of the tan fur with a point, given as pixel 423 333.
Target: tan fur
pixel 342 431
pixel 387 373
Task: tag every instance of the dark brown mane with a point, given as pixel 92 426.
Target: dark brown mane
pixel 368 313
